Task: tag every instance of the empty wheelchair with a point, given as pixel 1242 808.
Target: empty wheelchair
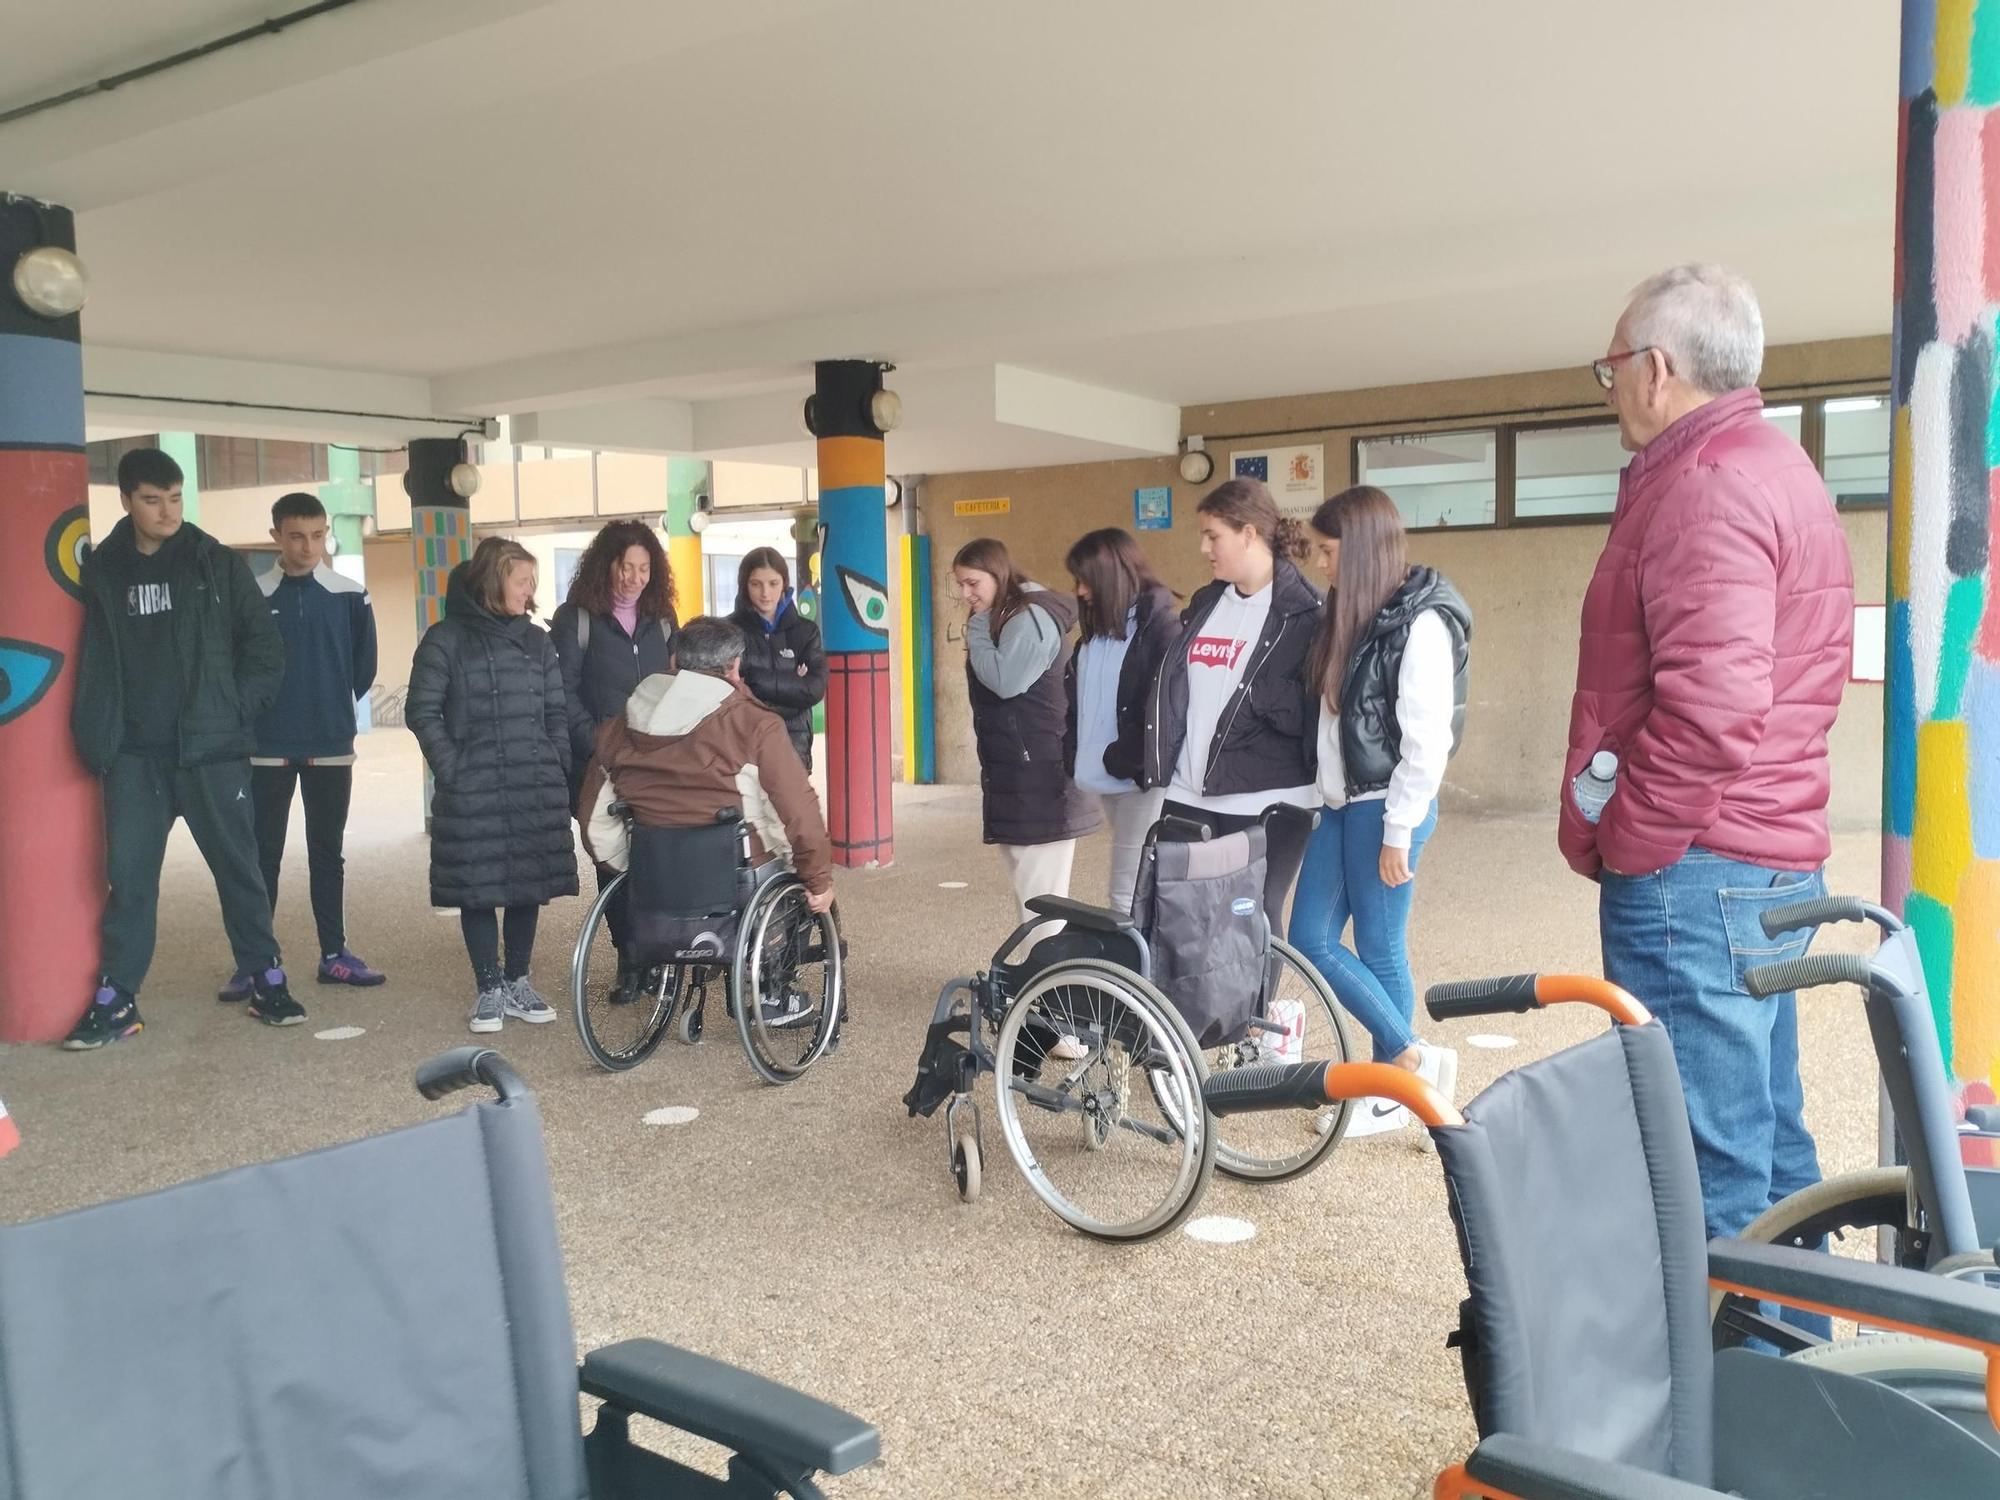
pixel 386 1318
pixel 1584 1336
pixel 1110 1034
pixel 700 915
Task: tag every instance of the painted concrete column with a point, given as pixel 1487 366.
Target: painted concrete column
pixel 854 611
pixel 51 808
pixel 686 479
pixel 1941 795
pixel 440 534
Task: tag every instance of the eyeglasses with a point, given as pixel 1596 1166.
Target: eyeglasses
pixel 1606 369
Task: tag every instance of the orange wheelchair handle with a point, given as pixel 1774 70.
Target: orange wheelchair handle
pixel 1519 993
pixel 1308 1085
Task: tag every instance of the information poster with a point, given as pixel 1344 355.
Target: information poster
pixel 1153 508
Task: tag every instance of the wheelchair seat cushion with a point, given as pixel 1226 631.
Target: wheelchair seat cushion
pixel 384 1318
pixel 1200 907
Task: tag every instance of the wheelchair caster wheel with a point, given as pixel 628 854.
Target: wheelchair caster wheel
pixel 689 1025
pixel 965 1167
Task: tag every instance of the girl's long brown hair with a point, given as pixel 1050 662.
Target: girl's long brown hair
pixel 1110 564
pixel 1374 561
pixel 486 573
pixel 988 555
pixel 1248 502
pixel 590 589
pixel 755 558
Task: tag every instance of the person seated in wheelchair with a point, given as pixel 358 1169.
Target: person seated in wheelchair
pixel 691 743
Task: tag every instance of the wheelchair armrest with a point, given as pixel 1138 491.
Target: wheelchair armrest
pixel 1886 1296
pixel 1081 914
pixel 723 1404
pixel 1530 1470
pixel 463 1067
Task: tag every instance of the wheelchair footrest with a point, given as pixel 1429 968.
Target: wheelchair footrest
pixel 729 1406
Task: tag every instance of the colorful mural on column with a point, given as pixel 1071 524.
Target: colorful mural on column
pixel 442 535
pixel 854 612
pixel 1941 794
pixel 51 813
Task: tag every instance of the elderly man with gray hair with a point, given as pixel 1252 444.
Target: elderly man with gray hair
pixel 1716 640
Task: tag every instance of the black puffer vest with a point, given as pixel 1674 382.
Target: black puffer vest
pixel 1371 739
pixel 1027 795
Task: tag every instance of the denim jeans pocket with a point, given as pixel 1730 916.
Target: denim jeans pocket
pixel 1742 910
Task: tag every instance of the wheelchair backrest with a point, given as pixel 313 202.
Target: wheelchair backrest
pixel 686 872
pixel 1578 1206
pixel 1200 907
pixel 385 1318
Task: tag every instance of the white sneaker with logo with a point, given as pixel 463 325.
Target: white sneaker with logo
pixel 1374 1117
pixel 1437 1066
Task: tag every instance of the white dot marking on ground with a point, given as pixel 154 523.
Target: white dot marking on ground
pixel 1220 1229
pixel 951 885
pixel 1490 1041
pixel 339 1033
pixel 672 1114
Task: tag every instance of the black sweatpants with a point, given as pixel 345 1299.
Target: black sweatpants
pixel 482 941
pixel 142 798
pixel 1284 850
pixel 327 792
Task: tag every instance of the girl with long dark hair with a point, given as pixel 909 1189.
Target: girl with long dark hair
pixel 1389 670
pixel 1127 625
pixel 784 664
pixel 615 629
pixel 1016 652
pixel 1232 732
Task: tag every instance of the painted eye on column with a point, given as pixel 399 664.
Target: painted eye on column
pixel 65 548
pixel 867 598
pixel 26 672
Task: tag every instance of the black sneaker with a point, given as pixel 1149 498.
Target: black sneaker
pixel 111 1016
pixel 273 1003
pixel 626 989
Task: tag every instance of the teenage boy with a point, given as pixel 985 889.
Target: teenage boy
pixel 179 656
pixel 305 739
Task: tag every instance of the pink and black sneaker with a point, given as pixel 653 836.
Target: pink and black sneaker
pixel 344 968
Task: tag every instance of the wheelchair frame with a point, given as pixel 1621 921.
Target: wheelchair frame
pixel 669 994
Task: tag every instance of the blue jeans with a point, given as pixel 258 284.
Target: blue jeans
pixel 1341 878
pixel 1680 940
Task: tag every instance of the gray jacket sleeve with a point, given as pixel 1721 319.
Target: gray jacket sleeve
pixel 1028 646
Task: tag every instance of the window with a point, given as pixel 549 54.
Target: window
pixel 1855 444
pixel 1567 471
pixel 103 456
pixel 1788 420
pixel 1436 478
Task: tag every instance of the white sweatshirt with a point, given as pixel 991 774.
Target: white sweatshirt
pixel 1423 714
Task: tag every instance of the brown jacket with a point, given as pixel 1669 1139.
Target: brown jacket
pixel 688 744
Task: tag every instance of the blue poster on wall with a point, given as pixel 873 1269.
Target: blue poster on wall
pixel 1153 508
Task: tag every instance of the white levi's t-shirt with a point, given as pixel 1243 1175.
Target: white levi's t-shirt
pixel 1217 658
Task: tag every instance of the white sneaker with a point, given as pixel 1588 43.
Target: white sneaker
pixel 1438 1067
pixel 490 1009
pixel 1373 1117
pixel 1069 1049
pixel 523 1004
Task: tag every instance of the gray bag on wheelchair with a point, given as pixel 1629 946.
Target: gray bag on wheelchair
pixel 1201 907
pixel 685 891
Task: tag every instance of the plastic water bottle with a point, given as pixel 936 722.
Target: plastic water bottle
pixel 1594 785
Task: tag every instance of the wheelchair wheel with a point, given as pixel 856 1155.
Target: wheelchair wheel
pixel 618 1035
pixel 1875 1198
pixel 965 1167
pixel 1104 1157
pixel 1947 1378
pixel 1277 1145
pixel 689 1030
pixel 786 985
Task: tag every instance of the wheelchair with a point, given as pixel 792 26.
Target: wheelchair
pixel 702 914
pixel 386 1317
pixel 1585 1339
pixel 1191 989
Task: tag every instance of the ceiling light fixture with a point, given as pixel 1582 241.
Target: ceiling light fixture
pixel 1196 465
pixel 50 281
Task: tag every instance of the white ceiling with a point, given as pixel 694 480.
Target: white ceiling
pixel 530 205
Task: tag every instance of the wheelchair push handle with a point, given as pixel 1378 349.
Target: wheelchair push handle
pixel 1519 993
pixel 1181 829
pixel 1272 1086
pixel 1820 910
pixel 466 1067
pixel 1285 812
pixel 1810 972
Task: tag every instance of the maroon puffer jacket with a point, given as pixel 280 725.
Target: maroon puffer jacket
pixel 1717 635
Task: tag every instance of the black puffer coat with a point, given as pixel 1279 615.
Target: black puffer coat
pixel 486 703
pixel 1027 794
pixel 771 662
pixel 600 671
pixel 1371 738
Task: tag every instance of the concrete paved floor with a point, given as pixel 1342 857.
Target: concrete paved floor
pixel 812 1233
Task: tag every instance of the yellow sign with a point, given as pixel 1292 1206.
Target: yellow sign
pixel 998 507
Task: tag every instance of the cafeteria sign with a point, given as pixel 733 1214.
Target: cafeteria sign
pixel 998 507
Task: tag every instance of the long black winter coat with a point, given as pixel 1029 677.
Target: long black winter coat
pixel 771 662
pixel 1027 794
pixel 486 703
pixel 598 675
